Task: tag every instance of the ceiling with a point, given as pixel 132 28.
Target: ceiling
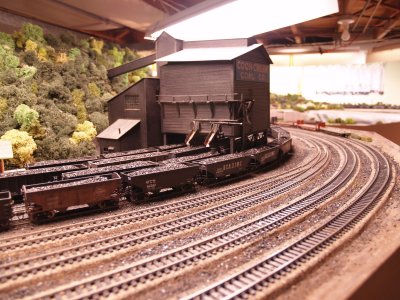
pixel 375 23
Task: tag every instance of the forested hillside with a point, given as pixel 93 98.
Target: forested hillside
pixel 54 91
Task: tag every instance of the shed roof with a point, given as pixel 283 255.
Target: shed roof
pixel 209 54
pixel 117 129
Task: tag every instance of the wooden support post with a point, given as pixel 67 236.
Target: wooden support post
pixel 2 169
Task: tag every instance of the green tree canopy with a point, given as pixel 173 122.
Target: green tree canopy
pixel 26 117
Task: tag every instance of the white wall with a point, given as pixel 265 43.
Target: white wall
pixel 289 75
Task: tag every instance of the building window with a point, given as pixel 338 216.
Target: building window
pixel 132 102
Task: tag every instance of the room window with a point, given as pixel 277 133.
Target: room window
pixel 132 102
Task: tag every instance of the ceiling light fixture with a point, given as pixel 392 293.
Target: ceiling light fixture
pixel 227 19
pixel 345 23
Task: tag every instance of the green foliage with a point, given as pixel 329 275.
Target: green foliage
pixel 84 132
pixel 130 55
pixel 11 61
pixel 331 120
pixel 23 146
pixel 77 98
pixel 339 121
pixel 7 41
pixel 119 83
pixel 118 56
pixel 26 117
pixel 69 39
pixel 19 38
pixel 42 54
pixel 85 45
pixel 7 59
pixel 52 40
pixel 33 32
pixel 94 105
pixel 31 46
pixel 94 90
pixel 135 76
pixel 299 103
pixel 99 120
pixel 29 58
pixel 55 147
pixel 50 84
pixel 73 53
pixel 97 45
pixel 361 138
pixel 349 121
pixel 57 121
pixel 18 93
pixel 26 72
pixel 3 107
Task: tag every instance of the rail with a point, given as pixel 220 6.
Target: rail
pixel 262 274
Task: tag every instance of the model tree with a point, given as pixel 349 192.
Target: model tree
pixel 55 89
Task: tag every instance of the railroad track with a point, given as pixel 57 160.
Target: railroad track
pixel 105 223
pixel 34 265
pixel 188 255
pixel 263 273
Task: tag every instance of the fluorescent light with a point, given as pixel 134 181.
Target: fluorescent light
pixel 290 50
pixel 243 19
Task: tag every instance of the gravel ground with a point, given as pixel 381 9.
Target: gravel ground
pixel 312 285
pixel 377 239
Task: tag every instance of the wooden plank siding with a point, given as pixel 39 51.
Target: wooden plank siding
pixel 148 132
pixel 151 115
pixel 259 91
pixel 194 79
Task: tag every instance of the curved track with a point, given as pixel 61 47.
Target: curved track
pixel 262 273
pixel 33 265
pixel 339 156
pixel 137 215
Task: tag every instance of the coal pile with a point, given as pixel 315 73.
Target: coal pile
pixel 257 150
pixel 169 147
pixel 60 184
pixel 108 169
pixel 126 159
pixel 56 169
pixel 160 169
pixel 188 151
pixel 222 158
pixel 59 162
pixel 189 158
pixel 130 152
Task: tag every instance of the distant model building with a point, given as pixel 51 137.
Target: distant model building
pixel 134 117
pixel 208 92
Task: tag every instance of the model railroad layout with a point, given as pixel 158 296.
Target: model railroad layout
pixel 49 188
pixel 243 240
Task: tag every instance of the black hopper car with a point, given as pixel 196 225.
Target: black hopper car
pixel 102 182
pixel 5 209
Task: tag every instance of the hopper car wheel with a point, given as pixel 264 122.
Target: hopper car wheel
pixel 188 187
pixel 51 214
pixel 4 224
pixel 178 188
pixel 102 205
pixel 113 203
pixel 280 155
pixel 35 217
